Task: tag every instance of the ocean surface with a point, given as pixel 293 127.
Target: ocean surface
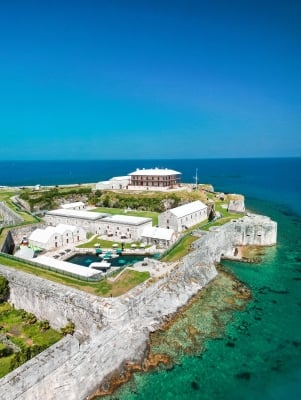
pixel 257 351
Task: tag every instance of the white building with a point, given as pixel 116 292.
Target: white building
pixel 115 226
pixel 154 179
pixel 56 236
pixel 124 226
pixel 78 205
pixel 183 217
pixel 118 182
pixel 66 267
pixel 87 220
pixel 161 237
pixel 44 238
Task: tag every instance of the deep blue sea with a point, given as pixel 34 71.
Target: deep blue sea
pixel 264 360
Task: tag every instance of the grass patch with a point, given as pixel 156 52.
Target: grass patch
pixel 106 244
pixel 146 214
pixel 127 281
pixel 181 250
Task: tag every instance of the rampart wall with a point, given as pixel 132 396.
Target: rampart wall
pixel 8 215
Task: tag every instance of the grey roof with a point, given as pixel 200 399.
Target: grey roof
pixel 127 219
pixel 188 208
pixel 158 233
pixel 89 215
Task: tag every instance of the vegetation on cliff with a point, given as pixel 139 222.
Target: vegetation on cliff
pixel 22 337
pixel 4 289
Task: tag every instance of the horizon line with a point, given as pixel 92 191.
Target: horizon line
pixel 148 159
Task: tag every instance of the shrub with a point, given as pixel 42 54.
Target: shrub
pixel 29 318
pixel 4 289
pixel 5 350
pixel 44 325
pixel 68 329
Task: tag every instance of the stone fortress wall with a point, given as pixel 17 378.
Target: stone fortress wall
pixel 9 217
pixel 16 234
pixel 125 321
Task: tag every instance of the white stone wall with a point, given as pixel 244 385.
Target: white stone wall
pixel 178 224
pixel 118 230
pixel 86 225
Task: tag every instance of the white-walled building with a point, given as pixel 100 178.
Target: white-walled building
pixel 56 236
pixel 161 237
pixel 87 220
pixel 115 226
pixel 118 182
pixel 123 226
pixel 154 179
pixel 184 216
pixel 78 205
pixel 44 238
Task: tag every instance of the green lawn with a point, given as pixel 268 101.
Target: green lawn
pixel 147 214
pixel 28 336
pixel 181 250
pixel 127 280
pixel 103 287
pixel 106 244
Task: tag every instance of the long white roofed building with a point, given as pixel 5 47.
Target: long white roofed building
pixel 183 217
pixel 124 226
pixel 87 220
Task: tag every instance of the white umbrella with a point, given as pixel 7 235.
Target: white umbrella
pixel 133 245
pixel 115 245
pixel 142 245
pixel 97 245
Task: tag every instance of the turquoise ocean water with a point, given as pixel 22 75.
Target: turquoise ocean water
pixel 263 360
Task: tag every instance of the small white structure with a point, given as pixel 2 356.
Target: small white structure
pixel 56 236
pixel 44 238
pixel 78 205
pixel 161 237
pixel 25 252
pixel 118 182
pixel 183 217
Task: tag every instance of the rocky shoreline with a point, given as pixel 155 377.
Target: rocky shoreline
pixel 240 296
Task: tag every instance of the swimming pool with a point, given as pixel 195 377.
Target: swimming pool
pixel 119 261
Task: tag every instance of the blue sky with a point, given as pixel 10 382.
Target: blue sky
pixel 150 79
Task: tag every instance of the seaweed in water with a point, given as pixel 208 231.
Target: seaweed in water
pixel 195 385
pixel 243 375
